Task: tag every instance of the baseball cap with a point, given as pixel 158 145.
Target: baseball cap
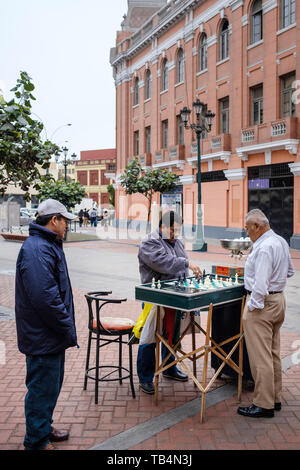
pixel 51 206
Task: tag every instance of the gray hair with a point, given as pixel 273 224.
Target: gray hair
pixel 257 216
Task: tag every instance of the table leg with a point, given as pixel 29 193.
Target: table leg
pixel 205 363
pixel 241 350
pixel 194 346
pixel 157 355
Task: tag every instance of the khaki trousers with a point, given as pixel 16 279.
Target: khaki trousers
pixel 262 335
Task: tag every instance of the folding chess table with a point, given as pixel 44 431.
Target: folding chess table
pixel 185 296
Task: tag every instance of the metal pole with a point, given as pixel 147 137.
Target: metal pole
pixel 65 164
pixel 199 244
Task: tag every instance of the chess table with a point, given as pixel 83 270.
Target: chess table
pixel 190 295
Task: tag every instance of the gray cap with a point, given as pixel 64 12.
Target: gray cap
pixel 51 206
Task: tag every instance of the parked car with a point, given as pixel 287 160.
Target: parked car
pixel 27 215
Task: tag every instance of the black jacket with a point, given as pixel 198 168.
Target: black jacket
pixel 44 301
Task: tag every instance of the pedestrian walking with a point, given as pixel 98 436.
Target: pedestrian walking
pixel 267 268
pixel 45 320
pixel 85 217
pixel 94 217
pixel 80 216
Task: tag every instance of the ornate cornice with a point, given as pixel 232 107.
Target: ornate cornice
pixel 181 9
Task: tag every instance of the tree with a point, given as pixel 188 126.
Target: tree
pixel 136 180
pixel 69 194
pixel 23 153
pixel 111 192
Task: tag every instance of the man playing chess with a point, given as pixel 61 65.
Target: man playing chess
pixel 267 268
pixel 162 257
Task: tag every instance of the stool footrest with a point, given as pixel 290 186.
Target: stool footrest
pixel 104 379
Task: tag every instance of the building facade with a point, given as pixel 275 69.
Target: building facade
pixel 241 59
pixel 95 170
pixel 71 171
pixel 15 194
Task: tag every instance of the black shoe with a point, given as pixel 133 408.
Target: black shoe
pixel 253 411
pixel 147 388
pixel 177 375
pixel 277 406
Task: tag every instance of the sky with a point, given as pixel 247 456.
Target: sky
pixel 64 45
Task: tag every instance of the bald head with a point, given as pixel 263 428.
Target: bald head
pixel 257 216
pixel 257 224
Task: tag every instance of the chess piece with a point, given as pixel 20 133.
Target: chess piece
pixel 153 283
pixel 158 284
pixel 236 279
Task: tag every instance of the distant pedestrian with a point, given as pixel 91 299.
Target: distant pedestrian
pixel 85 217
pixel 80 216
pixel 45 320
pixel 93 216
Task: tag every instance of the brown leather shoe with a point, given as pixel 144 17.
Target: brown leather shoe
pixel 58 435
pixel 50 447
pixel 47 447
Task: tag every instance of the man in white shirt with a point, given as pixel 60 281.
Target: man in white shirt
pixel 267 268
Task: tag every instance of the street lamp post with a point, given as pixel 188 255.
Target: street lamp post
pixel 66 162
pixel 203 123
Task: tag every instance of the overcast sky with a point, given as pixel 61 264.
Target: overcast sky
pixel 64 46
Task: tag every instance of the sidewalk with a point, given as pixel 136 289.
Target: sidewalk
pixel 121 422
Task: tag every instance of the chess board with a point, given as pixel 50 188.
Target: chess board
pixel 191 294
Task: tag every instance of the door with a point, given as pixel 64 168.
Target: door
pixel 273 193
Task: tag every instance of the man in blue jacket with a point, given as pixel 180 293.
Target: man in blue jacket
pixel 44 320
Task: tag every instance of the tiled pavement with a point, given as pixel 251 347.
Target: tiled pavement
pixel 117 411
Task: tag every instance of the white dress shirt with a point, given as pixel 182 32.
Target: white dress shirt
pixel 268 266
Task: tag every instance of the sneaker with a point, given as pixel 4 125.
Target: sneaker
pixel 177 375
pixel 147 388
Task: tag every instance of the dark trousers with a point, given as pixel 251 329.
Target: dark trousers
pixel 44 380
pixel 146 362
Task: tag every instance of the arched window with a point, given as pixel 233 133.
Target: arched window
pixel 203 52
pixel 224 40
pixel 164 76
pixel 180 66
pixel 256 21
pixel 148 85
pixel 136 91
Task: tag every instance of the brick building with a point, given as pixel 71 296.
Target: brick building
pixel 240 58
pixel 96 170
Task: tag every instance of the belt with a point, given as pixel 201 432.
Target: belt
pixel 249 292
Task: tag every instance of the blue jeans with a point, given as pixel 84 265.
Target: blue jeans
pixel 146 362
pixel 44 380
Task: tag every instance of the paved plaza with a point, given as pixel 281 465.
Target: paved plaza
pixel 119 422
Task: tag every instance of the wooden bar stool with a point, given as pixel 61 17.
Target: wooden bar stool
pixel 107 330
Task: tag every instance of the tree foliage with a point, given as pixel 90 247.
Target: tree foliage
pixel 136 180
pixel 111 192
pixel 69 194
pixel 23 153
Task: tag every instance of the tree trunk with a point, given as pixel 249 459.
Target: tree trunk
pixel 149 197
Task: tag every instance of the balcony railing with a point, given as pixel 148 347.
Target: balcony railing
pixel 278 129
pixel 145 159
pixel 177 152
pixel 217 143
pixel 274 130
pixel 159 156
pixel 248 135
